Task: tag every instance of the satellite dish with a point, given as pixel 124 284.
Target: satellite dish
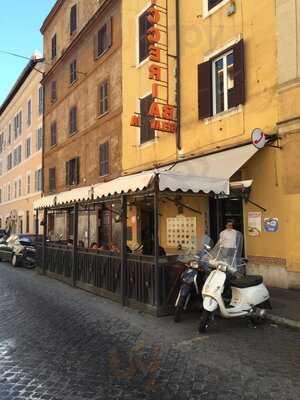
pixel 259 139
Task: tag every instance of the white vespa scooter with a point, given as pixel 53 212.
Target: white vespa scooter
pixel 249 294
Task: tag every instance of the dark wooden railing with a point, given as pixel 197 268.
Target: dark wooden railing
pixel 100 273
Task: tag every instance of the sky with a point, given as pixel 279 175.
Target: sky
pixel 20 22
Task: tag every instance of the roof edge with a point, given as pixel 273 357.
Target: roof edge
pixel 19 82
pixel 51 14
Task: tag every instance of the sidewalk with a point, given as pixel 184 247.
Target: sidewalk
pixel 286 307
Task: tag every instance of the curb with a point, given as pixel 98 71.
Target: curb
pixel 283 321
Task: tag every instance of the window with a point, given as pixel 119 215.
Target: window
pixel 17 155
pixel 104 159
pixel 72 172
pixel 39 139
pixel 103 98
pixel 38 180
pixel 8 192
pixel 27 221
pixel 73 71
pixel 1 142
pixel 15 195
pixel 146 133
pixel 73 19
pixel 221 82
pixel 1 200
pixel 20 187
pixel 28 147
pixel 52 179
pixel 41 100
pixel 53 132
pixel 144 25
pixel 1 168
pixel 29 112
pixel 103 39
pixel 73 120
pixel 54 47
pixel 9 134
pixel 53 92
pixel 18 125
pixel 9 162
pixel 28 183
pixel 212 3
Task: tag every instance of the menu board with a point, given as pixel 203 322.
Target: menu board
pixel 181 232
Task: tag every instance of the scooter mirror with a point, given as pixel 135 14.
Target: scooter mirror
pixel 207 247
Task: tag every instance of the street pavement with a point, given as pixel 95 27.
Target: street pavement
pixel 61 343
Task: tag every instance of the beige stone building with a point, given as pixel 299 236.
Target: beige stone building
pixel 21 143
pixel 83 106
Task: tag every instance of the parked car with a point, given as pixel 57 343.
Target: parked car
pixel 19 250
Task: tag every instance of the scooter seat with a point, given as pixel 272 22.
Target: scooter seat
pixel 247 281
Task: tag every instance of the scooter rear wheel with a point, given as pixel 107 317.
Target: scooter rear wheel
pixel 204 321
pixel 179 309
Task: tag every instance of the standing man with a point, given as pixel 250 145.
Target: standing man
pixel 228 236
pixel 231 243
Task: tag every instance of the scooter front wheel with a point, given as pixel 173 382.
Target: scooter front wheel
pixel 204 321
pixel 179 309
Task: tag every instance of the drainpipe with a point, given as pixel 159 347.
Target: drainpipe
pixel 178 78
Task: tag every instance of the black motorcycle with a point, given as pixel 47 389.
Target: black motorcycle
pixel 192 280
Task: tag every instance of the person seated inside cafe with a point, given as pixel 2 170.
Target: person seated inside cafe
pixel 94 246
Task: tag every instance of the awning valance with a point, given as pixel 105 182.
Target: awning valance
pixel 206 174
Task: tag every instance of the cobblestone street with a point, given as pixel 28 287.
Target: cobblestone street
pixel 62 343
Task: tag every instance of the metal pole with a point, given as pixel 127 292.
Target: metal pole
pixel 36 225
pixel 45 240
pixel 75 240
pixel 156 245
pixel 123 248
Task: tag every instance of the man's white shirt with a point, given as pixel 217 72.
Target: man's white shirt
pixel 228 238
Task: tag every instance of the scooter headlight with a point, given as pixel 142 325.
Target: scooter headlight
pixel 222 267
pixel 194 264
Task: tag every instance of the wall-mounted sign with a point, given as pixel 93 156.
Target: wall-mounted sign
pixel 181 232
pixel 259 139
pixel 163 115
pixel 254 223
pixel 271 224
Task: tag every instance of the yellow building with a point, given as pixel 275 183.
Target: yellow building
pixel 227 78
pixel 21 144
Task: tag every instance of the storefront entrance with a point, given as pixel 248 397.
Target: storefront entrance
pixel 222 210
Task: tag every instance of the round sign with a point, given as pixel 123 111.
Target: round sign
pixel 258 138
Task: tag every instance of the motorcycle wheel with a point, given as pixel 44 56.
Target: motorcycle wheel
pixel 178 309
pixel 204 321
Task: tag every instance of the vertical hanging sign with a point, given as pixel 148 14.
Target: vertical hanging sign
pixel 162 116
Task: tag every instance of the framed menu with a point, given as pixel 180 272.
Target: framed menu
pixel 181 232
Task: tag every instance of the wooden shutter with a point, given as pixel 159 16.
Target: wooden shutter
pixel 146 132
pixel 238 96
pixel 73 19
pixel 205 90
pixel 109 32
pixel 144 25
pixel 67 173
pixel 95 39
pixel 77 171
pixel 104 159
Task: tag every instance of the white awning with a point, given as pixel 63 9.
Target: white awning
pixel 44 202
pixel 206 174
pixel 209 173
pixel 74 195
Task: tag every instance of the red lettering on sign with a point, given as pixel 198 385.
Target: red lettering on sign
pixel 168 112
pixel 155 124
pixel 154 90
pixel 135 121
pixel 154 53
pixel 153 35
pixel 154 110
pixel 154 16
pixel 154 72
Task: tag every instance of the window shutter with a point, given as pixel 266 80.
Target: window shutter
pixel 109 32
pixel 147 133
pixel 205 90
pixel 238 96
pixel 77 171
pixel 67 173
